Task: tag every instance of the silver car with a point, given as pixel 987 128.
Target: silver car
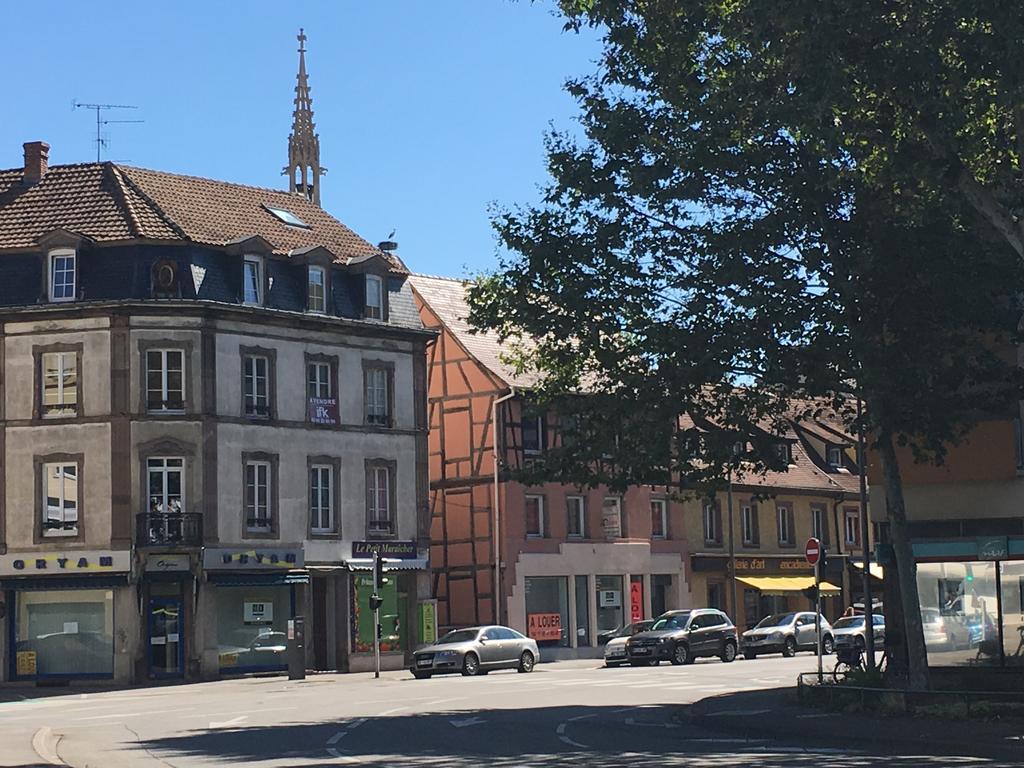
pixel 850 632
pixel 476 651
pixel 615 649
pixel 786 633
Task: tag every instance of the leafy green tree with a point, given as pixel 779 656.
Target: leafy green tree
pixel 717 243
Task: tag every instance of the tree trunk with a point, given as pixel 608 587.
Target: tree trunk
pixel 906 570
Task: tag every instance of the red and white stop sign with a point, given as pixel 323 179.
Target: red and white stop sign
pixel 812 551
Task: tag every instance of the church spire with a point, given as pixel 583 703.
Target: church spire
pixel 303 169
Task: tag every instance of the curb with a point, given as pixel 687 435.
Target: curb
pixel 44 742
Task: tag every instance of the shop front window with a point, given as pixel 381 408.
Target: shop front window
pixel 252 627
pixel 394 635
pixel 609 603
pixel 661 591
pixel 582 612
pixel 1013 612
pixel 547 610
pixel 959 613
pixel 64 633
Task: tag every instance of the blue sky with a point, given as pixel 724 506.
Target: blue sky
pixel 427 110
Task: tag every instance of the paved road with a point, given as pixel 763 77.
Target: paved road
pixel 565 714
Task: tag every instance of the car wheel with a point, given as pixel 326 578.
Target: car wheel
pixel 420 675
pixel 789 650
pixel 728 652
pixel 827 645
pixel 653 662
pixel 526 662
pixel 470 665
pixel 681 655
pixel 750 655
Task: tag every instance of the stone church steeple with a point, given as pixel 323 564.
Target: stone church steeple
pixel 303 169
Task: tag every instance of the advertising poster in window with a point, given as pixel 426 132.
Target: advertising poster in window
pixel 392 616
pixel 544 626
pixel 636 600
pixel 322 410
pixel 611 519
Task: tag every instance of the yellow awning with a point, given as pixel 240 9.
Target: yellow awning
pixel 783 584
pixel 874 569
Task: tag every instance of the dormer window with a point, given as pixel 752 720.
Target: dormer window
pixel 784 453
pixel 835 456
pixel 252 280
pixel 374 298
pixel 317 290
pixel 63 274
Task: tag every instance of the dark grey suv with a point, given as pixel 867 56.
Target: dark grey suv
pixel 682 636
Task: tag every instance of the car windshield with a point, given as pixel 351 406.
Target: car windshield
pixel 631 629
pixel 458 636
pixel 677 621
pixel 776 620
pixel 848 622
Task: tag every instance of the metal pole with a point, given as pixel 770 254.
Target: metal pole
pixel 999 615
pixel 376 618
pixel 732 553
pixel 817 614
pixel 869 624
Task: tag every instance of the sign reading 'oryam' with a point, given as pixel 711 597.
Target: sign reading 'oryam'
pixel 44 563
pixel 250 559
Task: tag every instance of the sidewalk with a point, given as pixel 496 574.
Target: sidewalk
pixel 775 714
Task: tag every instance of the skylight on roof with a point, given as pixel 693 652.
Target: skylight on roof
pixel 287 216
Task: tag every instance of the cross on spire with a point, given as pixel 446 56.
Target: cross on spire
pixel 303 169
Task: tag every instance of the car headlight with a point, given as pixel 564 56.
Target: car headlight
pixel 775 636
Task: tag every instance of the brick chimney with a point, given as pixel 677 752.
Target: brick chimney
pixel 37 158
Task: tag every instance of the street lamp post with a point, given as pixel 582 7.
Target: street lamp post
pixel 732 551
pixel 869 625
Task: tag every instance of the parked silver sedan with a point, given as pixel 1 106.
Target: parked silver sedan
pixel 476 651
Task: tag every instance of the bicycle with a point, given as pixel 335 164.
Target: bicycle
pixel 852 660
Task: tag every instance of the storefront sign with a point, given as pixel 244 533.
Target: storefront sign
pixel 636 600
pixel 322 410
pixel 251 559
pixel 86 562
pixel 428 621
pixel 611 518
pixel 395 550
pixel 25 663
pixel 609 598
pixel 993 548
pixel 258 613
pixel 544 626
pixel 167 563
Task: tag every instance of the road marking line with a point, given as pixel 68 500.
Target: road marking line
pixel 560 730
pixel 631 721
pixel 44 742
pixel 737 712
pixel 106 717
pixel 339 756
pixel 336 737
pixel 387 712
pixel 230 723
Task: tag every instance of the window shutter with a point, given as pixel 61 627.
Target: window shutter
pixel 790 528
pixel 718 523
pixel 756 525
pixel 369 493
pixel 825 533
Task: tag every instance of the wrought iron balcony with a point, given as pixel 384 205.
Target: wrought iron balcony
pixel 158 529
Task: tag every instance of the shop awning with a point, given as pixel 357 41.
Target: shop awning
pixel 416 564
pixel 104 581
pixel 259 578
pixel 874 569
pixel 781 585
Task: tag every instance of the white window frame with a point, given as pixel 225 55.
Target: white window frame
pixel 317 303
pixel 748 525
pixel 784 451
pixel 60 467
pixel 252 511
pixel 854 527
pixel 540 516
pixel 250 372
pixel 63 408
pixel 162 467
pixel 164 391
pixel 257 262
pixel 834 456
pixel 579 513
pixel 378 403
pixel 818 523
pixel 321 517
pixel 782 523
pixel 710 529
pixel 380 503
pixel 539 446
pixel 374 311
pixel 318 380
pixel 51 258
pixel 662 505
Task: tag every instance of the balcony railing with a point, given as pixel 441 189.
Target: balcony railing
pixel 155 529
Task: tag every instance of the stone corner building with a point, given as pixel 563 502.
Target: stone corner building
pixel 211 393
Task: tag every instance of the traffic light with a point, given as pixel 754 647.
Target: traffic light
pixel 380 631
pixel 379 565
pixel 375 602
pixel 823 558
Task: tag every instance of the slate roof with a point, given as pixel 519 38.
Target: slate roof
pixel 107 202
pixel 446 296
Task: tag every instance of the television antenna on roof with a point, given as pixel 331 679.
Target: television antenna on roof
pixel 99 108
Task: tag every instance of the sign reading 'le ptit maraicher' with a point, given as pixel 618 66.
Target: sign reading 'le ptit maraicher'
pixel 396 550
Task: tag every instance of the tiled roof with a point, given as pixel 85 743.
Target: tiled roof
pixel 110 202
pixel 447 298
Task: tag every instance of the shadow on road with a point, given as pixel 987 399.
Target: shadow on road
pixel 597 737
